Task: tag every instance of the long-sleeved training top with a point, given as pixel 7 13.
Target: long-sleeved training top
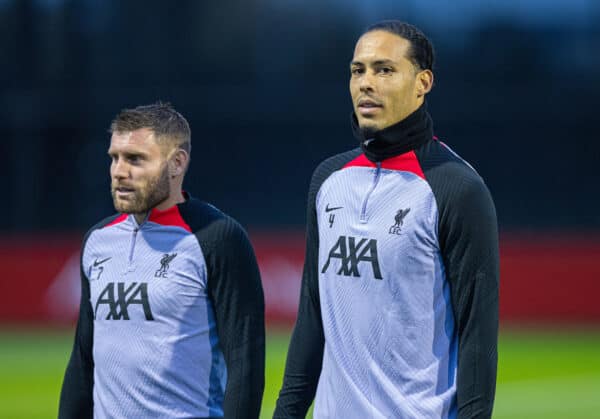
pixel 171 322
pixel 398 314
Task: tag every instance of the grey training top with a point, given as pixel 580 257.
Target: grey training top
pixel 171 322
pixel 398 314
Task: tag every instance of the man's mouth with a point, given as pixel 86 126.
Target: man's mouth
pixel 123 191
pixel 368 107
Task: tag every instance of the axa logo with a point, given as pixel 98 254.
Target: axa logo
pixel 127 294
pixel 399 221
pixel 352 252
pixel 164 265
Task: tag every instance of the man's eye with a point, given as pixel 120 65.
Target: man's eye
pixel 357 71
pixel 385 70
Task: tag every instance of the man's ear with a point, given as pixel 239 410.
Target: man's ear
pixel 178 162
pixel 424 82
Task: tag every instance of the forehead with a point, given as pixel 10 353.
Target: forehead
pixel 381 45
pixel 142 139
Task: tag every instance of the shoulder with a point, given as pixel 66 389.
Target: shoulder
pixel 331 165
pixel 88 245
pixel 336 162
pixel 210 225
pixel 460 192
pixel 436 157
pixel 450 176
pixel 106 222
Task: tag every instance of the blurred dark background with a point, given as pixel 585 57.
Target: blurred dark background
pixel 264 85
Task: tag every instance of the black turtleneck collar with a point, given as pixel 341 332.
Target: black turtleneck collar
pixel 408 134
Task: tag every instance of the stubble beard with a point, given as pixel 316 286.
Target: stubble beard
pixel 368 132
pixel 156 191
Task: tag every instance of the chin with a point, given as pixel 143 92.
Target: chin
pixel 124 207
pixel 369 130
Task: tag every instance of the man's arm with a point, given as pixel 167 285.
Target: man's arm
pixel 469 243
pixel 235 289
pixel 76 399
pixel 305 354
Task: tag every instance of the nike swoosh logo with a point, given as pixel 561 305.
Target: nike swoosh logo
pixel 100 262
pixel 327 209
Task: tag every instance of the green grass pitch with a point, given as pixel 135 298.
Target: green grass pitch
pixel 542 374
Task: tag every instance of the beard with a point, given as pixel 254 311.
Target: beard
pixel 146 197
pixel 368 132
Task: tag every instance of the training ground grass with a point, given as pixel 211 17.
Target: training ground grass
pixel 542 373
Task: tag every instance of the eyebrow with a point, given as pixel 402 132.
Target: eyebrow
pixel 127 152
pixel 378 62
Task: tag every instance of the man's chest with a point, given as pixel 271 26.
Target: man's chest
pixel 379 259
pixel 375 223
pixel 143 275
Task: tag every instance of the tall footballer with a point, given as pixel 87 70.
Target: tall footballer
pixel 398 314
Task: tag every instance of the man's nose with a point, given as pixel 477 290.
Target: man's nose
pixel 119 169
pixel 366 82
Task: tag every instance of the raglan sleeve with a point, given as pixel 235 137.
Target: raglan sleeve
pixel 76 399
pixel 235 288
pixel 469 243
pixel 305 354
